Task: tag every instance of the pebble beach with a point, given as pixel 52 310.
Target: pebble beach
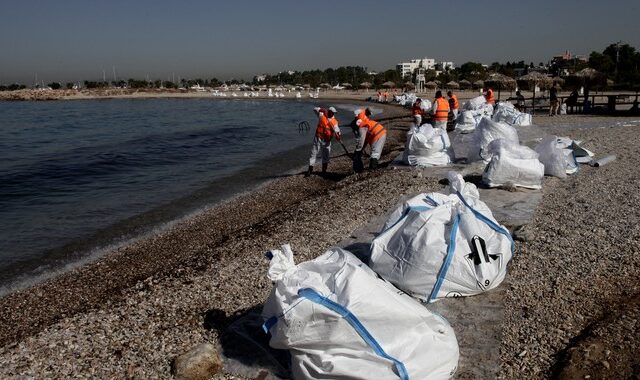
pixel 571 306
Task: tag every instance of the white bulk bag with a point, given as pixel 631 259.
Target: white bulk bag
pixel 406 99
pixel 426 146
pixel 462 145
pixel 475 148
pixel 558 160
pixel 425 105
pixel 466 122
pixel 513 164
pixel 507 113
pixel 489 130
pixel 474 103
pixel 436 245
pixel 340 320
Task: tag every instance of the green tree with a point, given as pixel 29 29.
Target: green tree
pixel 601 62
pixel 472 71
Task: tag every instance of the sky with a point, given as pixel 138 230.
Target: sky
pixel 73 40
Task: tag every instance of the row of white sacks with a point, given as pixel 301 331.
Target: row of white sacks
pixel 477 108
pixel 493 139
pixel 340 318
pixel 497 144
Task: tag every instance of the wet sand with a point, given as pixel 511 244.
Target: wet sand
pixel 131 312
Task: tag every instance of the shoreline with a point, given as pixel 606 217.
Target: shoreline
pixel 90 247
pixel 211 268
pixel 66 288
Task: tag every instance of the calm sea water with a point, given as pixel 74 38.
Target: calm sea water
pixel 80 175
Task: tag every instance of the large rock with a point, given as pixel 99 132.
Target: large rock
pixel 201 362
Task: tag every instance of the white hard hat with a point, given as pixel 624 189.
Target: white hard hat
pixel 333 109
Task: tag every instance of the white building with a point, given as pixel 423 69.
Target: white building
pixel 443 66
pixel 406 69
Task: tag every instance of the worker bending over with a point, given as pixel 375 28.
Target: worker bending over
pixel 440 111
pixel 370 133
pixel 326 129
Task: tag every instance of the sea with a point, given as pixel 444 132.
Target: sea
pixel 78 178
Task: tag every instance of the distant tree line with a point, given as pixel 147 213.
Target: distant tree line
pixel 352 75
pixel 618 62
pixel 12 87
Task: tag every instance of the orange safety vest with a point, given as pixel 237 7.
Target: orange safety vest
pixel 442 110
pixel 324 130
pixel 417 110
pixel 489 97
pixel 362 116
pixel 375 130
pixel 456 105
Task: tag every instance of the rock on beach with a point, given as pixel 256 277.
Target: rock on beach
pixel 200 363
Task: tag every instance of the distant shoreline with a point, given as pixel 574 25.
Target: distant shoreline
pixel 116 93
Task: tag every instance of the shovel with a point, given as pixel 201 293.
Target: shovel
pixel 345 149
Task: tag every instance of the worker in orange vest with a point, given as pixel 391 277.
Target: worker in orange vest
pixel 386 96
pixel 490 97
pixel 417 112
pixel 453 104
pixel 358 126
pixel 327 128
pixel 360 130
pixel 440 111
pixel 370 133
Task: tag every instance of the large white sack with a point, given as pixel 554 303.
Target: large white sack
pixel 463 146
pixel 551 157
pixel 474 103
pixel 507 113
pixel 425 105
pixel 426 146
pixel 558 160
pixel 466 122
pixel 485 110
pixel 489 130
pixel 513 164
pixel 469 119
pixel 475 148
pixel 406 99
pixel 435 245
pixel 340 320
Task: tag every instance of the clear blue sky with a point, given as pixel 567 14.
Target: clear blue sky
pixel 77 39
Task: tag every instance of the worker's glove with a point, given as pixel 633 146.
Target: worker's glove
pixel 338 136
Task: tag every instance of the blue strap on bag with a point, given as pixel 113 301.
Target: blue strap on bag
pixel 315 297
